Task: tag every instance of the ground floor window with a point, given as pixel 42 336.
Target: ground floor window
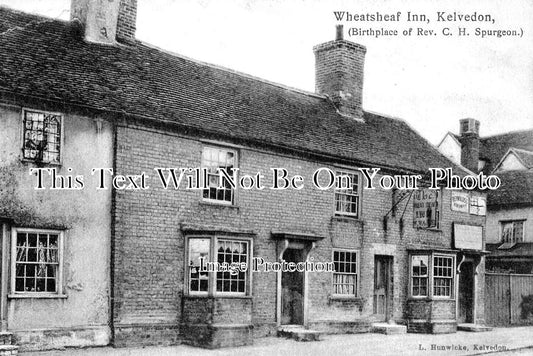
pixel 346 270
pixel 432 274
pixel 215 265
pixel 419 276
pixel 443 276
pixel 36 261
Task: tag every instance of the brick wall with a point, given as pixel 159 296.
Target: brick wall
pixel 149 241
pixel 126 23
pixel 339 73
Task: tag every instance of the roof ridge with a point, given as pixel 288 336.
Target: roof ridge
pixel 233 71
pixel 507 133
pixel 521 150
pixel 38 19
pixel 432 146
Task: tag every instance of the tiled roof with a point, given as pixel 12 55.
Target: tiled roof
pixel 47 58
pixel 493 148
pixel 516 189
pixel 517 250
pixel 526 157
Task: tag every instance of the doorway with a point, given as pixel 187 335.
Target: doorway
pixel 383 287
pixel 466 293
pixel 292 290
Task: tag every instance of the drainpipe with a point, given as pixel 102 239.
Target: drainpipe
pixel 4 273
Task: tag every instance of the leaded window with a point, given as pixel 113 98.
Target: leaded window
pixel 42 136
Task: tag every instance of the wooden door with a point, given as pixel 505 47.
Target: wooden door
pixel 292 291
pixel 382 287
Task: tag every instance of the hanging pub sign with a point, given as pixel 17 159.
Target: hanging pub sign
pixel 426 208
pixel 478 206
pixel 460 201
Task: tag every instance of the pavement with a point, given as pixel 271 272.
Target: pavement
pixel 499 341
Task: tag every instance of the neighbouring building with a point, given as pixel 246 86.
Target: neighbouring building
pixel 510 208
pixel 122 266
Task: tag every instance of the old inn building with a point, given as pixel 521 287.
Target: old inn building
pixel 82 267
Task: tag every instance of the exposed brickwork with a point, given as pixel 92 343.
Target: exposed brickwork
pixel 8 350
pixel 126 23
pixel 146 334
pixel 470 151
pixel 339 73
pixel 149 243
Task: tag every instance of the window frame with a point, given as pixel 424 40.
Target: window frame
pixel 236 166
pixel 523 221
pixel 452 278
pixel 339 171
pixel 23 130
pixel 212 277
pixel 432 255
pixel 59 280
pixel 357 274
pixel 411 276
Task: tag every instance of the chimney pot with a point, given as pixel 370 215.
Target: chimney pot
pixel 340 33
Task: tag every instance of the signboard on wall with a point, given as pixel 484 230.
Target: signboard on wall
pixel 478 206
pixel 426 210
pixel 460 201
pixel 468 237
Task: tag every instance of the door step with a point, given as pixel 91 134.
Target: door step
pixel 299 333
pixel 6 344
pixel 388 329
pixel 476 328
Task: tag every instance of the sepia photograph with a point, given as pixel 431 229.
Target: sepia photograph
pixel 266 177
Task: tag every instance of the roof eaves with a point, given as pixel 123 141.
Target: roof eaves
pixel 505 134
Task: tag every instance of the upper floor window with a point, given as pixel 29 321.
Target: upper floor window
pixel 42 136
pixel 347 200
pixel 37 261
pixel 345 275
pixel 513 231
pixel 213 159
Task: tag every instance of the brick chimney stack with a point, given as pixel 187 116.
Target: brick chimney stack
pixel 106 21
pixel 339 72
pixel 469 132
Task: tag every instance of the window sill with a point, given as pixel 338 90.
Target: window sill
pixel 347 218
pixel 215 204
pixel 431 299
pixel 433 229
pixel 218 296
pixel 341 298
pixel 36 295
pixel 41 164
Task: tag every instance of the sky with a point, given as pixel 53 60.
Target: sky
pixel 429 81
